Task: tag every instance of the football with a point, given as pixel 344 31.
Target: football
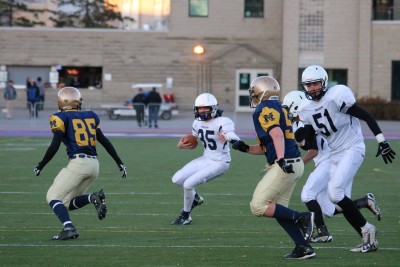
pixel 190 139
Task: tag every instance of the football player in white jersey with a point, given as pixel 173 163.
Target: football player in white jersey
pixel 212 130
pixel 334 114
pixel 314 193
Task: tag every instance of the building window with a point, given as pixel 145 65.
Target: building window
pixel 384 10
pixel 198 8
pixel 254 8
pixel 117 14
pixel 395 80
pixel 80 77
pixel 335 77
pixel 311 32
pixel 243 81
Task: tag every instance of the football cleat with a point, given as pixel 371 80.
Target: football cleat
pixel 98 200
pixel 373 206
pixel 66 233
pixel 181 220
pixel 306 224
pixel 322 236
pixel 374 247
pixel 198 200
pixel 368 236
pixel 300 253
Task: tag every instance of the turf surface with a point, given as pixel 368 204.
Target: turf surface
pixel 137 230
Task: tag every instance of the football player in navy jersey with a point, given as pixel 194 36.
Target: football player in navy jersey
pixel 79 131
pixel 284 165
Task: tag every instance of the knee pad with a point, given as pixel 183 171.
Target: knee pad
pixel 307 196
pixel 50 196
pixel 176 179
pixel 258 209
pixel 335 195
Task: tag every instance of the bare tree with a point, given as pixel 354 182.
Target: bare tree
pixel 86 14
pixel 13 13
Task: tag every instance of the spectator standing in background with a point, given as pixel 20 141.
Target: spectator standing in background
pixel 42 93
pixel 75 82
pixel 10 94
pixel 32 92
pixel 153 101
pixel 139 104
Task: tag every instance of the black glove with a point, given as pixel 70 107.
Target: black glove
pixel 386 151
pixel 37 169
pixel 288 168
pixel 240 145
pixel 122 168
pixel 299 135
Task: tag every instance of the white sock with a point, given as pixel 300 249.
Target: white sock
pixel 188 197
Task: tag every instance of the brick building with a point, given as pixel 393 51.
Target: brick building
pixel 355 45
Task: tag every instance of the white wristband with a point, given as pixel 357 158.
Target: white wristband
pixel 380 138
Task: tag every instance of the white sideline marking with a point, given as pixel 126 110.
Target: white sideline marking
pixel 183 246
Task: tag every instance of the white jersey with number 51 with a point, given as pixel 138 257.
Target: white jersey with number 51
pixel 328 117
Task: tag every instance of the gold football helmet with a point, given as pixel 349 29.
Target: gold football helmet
pixel 69 98
pixel 263 88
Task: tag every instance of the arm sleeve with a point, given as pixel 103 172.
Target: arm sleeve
pixel 309 138
pixel 52 149
pixel 108 146
pixel 228 129
pixel 364 115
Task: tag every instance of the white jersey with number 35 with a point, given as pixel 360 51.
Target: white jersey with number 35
pixel 328 118
pixel 207 132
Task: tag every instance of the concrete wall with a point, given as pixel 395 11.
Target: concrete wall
pixel 385 47
pixel 351 41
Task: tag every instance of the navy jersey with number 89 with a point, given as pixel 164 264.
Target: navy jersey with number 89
pixel 79 128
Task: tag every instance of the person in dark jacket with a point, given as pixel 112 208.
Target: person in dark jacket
pixel 33 97
pixel 153 101
pixel 10 94
pixel 139 105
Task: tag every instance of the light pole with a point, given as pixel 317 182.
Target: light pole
pixel 199 50
pixel 10 13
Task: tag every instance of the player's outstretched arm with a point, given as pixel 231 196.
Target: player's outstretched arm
pixel 111 150
pixel 240 145
pixel 384 148
pixel 245 148
pixel 51 151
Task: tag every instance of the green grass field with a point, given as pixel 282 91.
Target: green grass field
pixel 137 230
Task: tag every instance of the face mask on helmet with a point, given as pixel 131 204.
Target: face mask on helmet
pixel 263 88
pixel 69 98
pixel 311 75
pixel 292 102
pixel 208 101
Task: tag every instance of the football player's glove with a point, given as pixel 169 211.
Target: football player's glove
pixel 386 151
pixel 299 135
pixel 122 168
pixel 287 168
pixel 240 145
pixel 37 170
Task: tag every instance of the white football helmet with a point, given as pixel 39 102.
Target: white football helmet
pixel 292 102
pixel 313 74
pixel 69 98
pixel 263 88
pixel 205 100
